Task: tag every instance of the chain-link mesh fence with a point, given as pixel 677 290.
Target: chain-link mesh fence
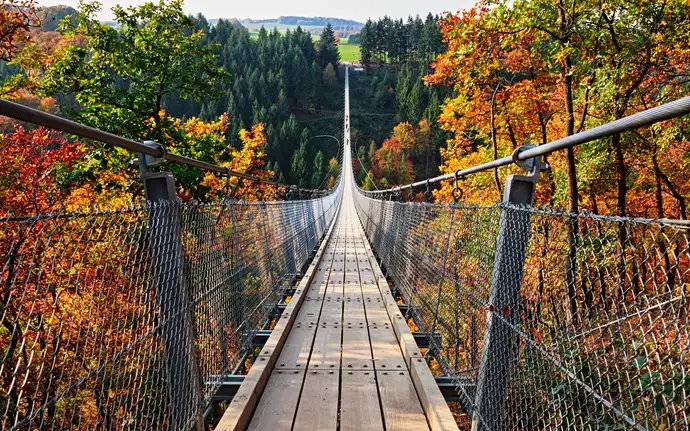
pixel 128 319
pixel 596 335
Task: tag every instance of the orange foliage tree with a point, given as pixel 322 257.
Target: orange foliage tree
pixel 251 160
pixel 530 72
pixel 17 19
pixel 394 162
pixel 35 171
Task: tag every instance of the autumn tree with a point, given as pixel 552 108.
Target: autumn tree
pixel 250 159
pixel 333 172
pixel 392 163
pixel 17 19
pixel 368 183
pixel 36 170
pixel 120 76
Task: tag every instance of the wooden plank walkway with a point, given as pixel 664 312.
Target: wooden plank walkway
pixel 341 365
pixel 341 356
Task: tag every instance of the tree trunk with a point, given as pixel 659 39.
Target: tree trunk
pixel 494 145
pixel 621 174
pixel 573 207
pixel 668 269
pixel 549 173
pixel 671 187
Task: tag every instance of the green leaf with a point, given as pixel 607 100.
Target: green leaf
pixel 640 362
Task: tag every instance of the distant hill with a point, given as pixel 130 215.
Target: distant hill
pixel 52 15
pixel 313 25
pixel 316 21
pixel 234 21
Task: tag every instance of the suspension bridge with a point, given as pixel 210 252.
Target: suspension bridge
pixel 344 309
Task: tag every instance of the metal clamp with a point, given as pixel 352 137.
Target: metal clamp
pixel 234 189
pixel 529 165
pixel 457 191
pixel 520 189
pixel 427 192
pixel 151 161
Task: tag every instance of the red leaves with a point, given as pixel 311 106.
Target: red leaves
pixel 33 168
pixel 505 310
pixel 537 335
pixel 17 17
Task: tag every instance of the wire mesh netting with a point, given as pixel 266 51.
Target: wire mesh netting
pixel 595 336
pixel 128 319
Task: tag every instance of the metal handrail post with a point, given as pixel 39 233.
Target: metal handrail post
pixel 175 316
pixel 500 342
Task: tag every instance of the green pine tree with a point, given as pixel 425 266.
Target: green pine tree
pixel 328 49
pixel 319 168
pixel 299 171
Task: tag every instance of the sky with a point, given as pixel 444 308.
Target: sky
pixel 358 10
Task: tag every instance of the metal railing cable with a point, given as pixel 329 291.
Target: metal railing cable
pixel 545 319
pixel 523 154
pixel 130 318
pixel 368 173
pixel 34 116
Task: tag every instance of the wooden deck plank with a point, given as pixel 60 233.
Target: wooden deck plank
pixel 325 354
pixel 356 349
pixel 297 348
pixel 377 316
pixel 385 348
pixel 310 309
pixel 318 405
pixel 401 411
pixel 276 409
pixel 360 406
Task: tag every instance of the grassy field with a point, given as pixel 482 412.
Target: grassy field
pixel 349 53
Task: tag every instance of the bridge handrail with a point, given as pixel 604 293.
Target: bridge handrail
pixel 30 115
pixel 664 112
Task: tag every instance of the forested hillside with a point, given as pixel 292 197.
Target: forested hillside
pixel 279 80
pixel 209 92
pixel 394 113
pixel 394 41
pixel 436 94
